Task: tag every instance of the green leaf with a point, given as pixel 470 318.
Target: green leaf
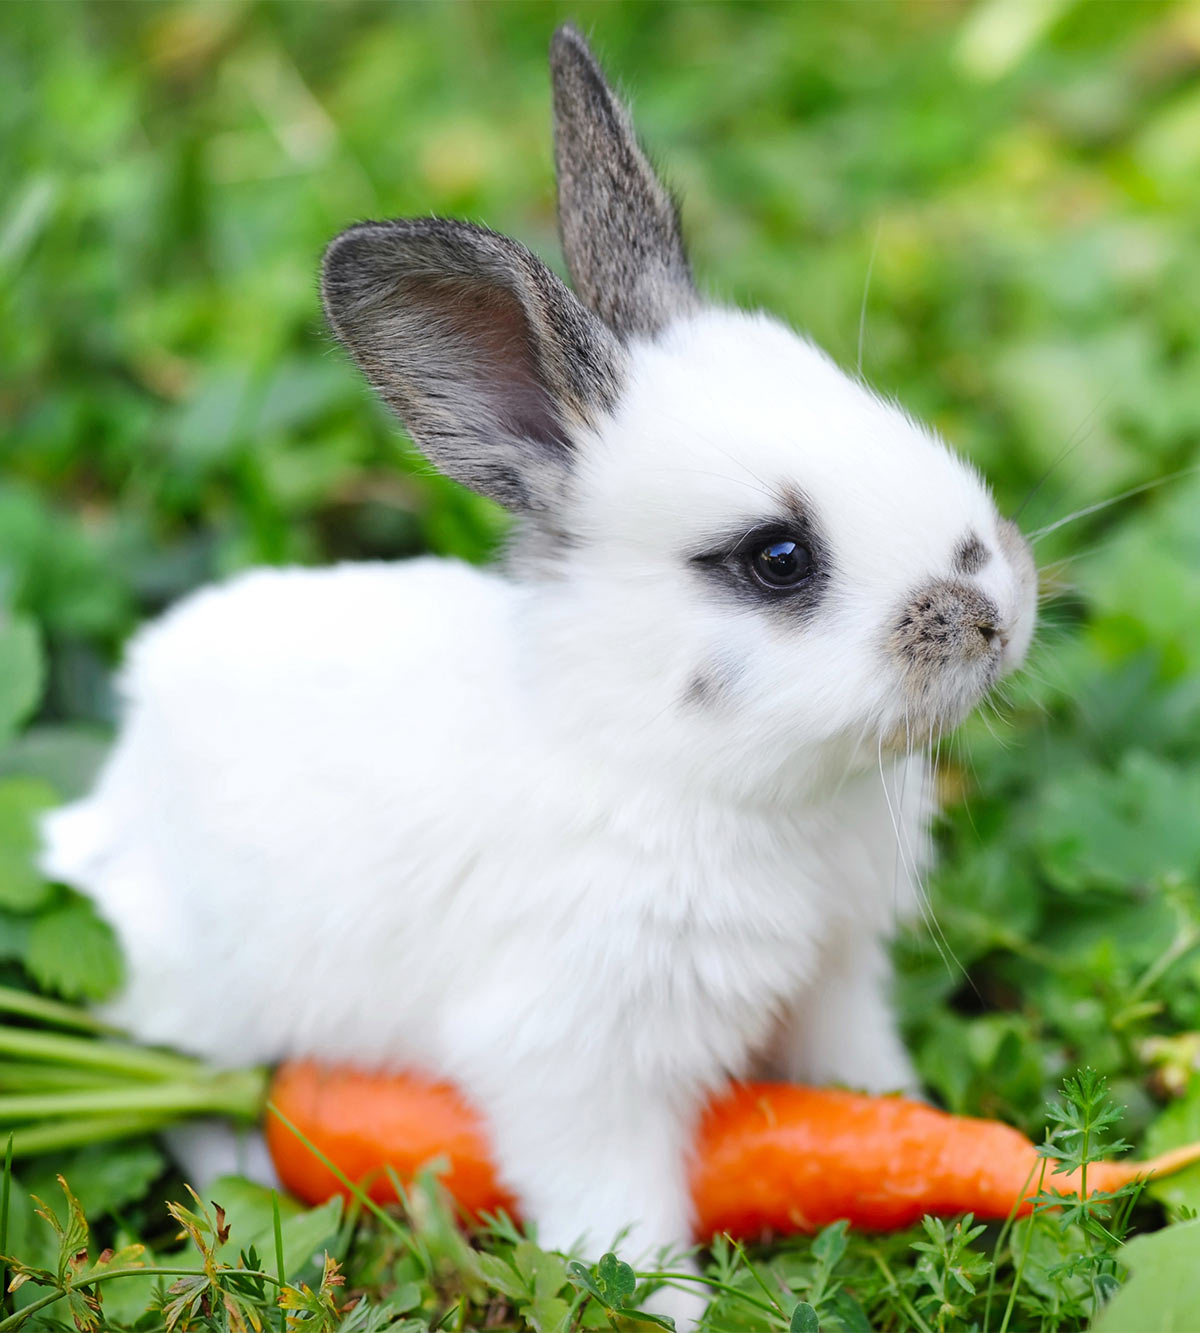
pixel 22 802
pixel 1178 1125
pixel 848 1311
pixel 1131 827
pixel 127 1300
pixel 548 1314
pixel 545 1275
pixel 612 1282
pixel 615 1281
pixel 84 1306
pixel 207 425
pixel 407 1296
pixel 14 936
pixel 581 1276
pixel 103 1177
pixel 250 1217
pixel 67 757
pixel 74 953
pixel 21 673
pixel 70 1231
pixel 501 1276
pixel 830 1244
pixel 1163 1293
pixel 804 1319
pixel 186 1294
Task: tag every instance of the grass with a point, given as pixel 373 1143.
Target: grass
pixel 1021 186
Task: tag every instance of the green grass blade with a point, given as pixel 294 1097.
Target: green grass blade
pixel 279 1268
pixel 5 1195
pixel 357 1190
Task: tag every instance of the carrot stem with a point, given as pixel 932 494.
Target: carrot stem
pixel 88 1053
pixel 79 1132
pixel 237 1094
pixel 27 1005
pixel 42 1076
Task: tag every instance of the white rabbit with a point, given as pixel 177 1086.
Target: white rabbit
pixel 594 833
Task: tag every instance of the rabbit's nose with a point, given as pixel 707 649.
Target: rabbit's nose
pixel 948 641
pixel 992 632
pixel 949 623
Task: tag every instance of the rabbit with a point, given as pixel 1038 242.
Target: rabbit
pixel 634 813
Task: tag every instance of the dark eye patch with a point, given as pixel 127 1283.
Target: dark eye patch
pixel 779 562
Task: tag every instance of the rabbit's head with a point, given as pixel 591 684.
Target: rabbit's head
pixel 725 536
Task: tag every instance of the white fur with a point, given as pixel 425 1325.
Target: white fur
pixel 433 817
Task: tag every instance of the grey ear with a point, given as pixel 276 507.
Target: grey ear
pixel 492 364
pixel 619 224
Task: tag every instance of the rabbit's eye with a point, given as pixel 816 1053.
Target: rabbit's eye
pixel 781 563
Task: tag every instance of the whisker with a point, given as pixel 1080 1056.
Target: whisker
pixel 924 904
pixel 1077 437
pixel 897 864
pixel 944 947
pixel 967 761
pixel 733 458
pixel 1084 553
pixel 1116 499
pixel 722 476
pixel 862 312
pixel 887 796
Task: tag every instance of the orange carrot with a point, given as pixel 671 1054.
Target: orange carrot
pixel 774 1156
pixel 769 1156
pixel 366 1122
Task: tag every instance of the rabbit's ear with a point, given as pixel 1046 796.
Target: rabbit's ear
pixel 619 224
pixel 491 363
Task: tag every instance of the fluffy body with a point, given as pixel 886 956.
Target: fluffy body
pixel 426 815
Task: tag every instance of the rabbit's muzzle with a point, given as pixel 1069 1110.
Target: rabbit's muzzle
pixel 949 642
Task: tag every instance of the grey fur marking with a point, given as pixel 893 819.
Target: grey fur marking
pixel 619 225
pixel 488 359
pixel 970 555
pixel 711 686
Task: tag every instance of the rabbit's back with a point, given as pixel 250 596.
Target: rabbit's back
pixel 277 799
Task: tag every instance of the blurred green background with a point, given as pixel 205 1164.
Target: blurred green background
pixel 1019 181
